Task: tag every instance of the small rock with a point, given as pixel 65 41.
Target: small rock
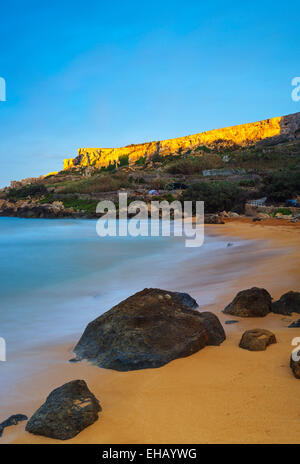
pixel 229 245
pixel 231 321
pixel 287 304
pixel 224 214
pixel 263 215
pixel 67 411
pixel 295 365
pixel 213 219
pixel 12 420
pixel 253 302
pixel 257 339
pixel 295 324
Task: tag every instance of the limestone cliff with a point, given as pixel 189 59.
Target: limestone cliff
pixel 277 129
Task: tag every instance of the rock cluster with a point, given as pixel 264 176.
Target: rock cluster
pixel 31 209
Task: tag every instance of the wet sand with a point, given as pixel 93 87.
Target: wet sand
pixel 219 395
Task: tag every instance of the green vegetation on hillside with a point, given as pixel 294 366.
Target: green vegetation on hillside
pixel 218 196
pixel 30 190
pixel 281 185
pixel 195 164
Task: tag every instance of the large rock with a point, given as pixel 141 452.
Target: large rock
pixel 254 302
pixel 257 339
pixel 148 329
pixel 67 410
pixel 287 304
pixel 295 366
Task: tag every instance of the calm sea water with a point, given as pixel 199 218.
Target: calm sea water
pixel 58 275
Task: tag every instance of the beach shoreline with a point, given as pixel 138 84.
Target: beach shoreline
pixel 220 394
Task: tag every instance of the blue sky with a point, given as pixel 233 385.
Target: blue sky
pixel 105 74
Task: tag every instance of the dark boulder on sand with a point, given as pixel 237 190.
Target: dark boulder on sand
pixel 287 304
pixel 148 329
pixel 295 325
pixel 253 302
pixel 12 420
pixel 295 364
pixel 257 339
pixel 67 411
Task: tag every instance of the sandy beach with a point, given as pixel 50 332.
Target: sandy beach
pixel 219 395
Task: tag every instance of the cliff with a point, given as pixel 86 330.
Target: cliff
pixel 274 130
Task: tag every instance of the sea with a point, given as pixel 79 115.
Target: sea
pixel 57 275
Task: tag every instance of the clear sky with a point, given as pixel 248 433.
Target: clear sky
pixel 107 74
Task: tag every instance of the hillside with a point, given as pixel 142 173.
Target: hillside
pixel 275 129
pixel 224 167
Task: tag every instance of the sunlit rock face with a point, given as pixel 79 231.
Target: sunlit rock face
pixel 280 128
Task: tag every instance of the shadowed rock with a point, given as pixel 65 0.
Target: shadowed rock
pixel 287 304
pixel 295 325
pixel 67 410
pixel 12 420
pixel 213 219
pixel 253 302
pixel 257 339
pixel 295 365
pixel 148 329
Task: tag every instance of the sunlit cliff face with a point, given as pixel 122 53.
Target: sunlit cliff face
pixel 241 135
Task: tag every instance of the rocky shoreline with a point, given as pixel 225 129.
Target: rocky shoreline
pixel 148 330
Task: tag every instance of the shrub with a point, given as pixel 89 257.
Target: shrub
pixel 284 211
pixel 195 164
pixel 141 161
pixel 218 196
pixel 203 148
pixel 27 191
pixel 81 205
pixel 281 185
pixel 124 160
pixel 249 182
pixel 94 184
pixel 110 168
pixel 157 158
pixel 158 183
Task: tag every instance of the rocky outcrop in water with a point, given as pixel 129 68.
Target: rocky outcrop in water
pixel 29 209
pixel 253 302
pixel 67 411
pixel 148 329
pixel 257 339
pixel 287 304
